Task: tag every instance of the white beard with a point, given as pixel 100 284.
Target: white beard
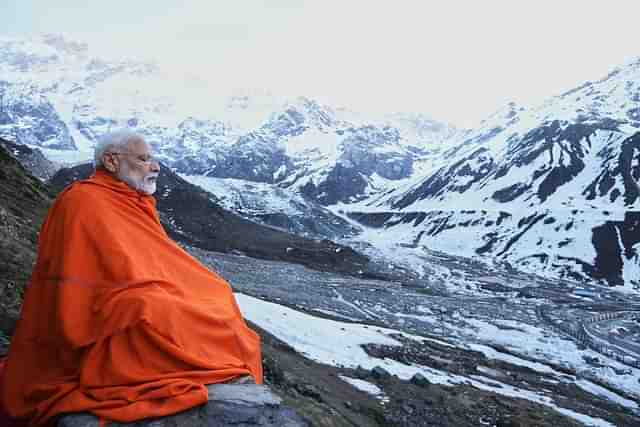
pixel 146 185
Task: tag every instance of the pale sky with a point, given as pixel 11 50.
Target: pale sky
pixel 453 60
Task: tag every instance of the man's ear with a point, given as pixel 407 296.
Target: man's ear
pixel 110 163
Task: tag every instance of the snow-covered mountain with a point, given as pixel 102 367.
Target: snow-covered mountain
pixel 277 207
pixel 328 154
pixel 548 189
pixel 29 117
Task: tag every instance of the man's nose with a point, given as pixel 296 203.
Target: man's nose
pixel 155 166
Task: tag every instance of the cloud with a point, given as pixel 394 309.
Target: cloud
pixel 455 60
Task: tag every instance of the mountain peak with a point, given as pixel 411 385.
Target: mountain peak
pixel 65 45
pixel 506 112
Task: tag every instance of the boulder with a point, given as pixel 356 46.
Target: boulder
pixel 379 373
pixel 419 380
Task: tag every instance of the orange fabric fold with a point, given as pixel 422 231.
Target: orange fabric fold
pixel 118 319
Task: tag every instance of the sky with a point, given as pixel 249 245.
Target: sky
pixel 454 60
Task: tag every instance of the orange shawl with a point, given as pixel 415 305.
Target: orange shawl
pixel 118 320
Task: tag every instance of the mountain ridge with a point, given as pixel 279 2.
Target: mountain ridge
pixel 571 152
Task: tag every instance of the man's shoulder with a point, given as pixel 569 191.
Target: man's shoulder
pixel 80 195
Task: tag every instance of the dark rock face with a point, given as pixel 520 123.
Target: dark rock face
pixel 255 162
pixel 343 183
pixel 610 256
pixel 33 160
pixel 570 142
pixel 372 219
pixel 24 200
pixel 29 118
pixel 471 168
pixel 190 215
pixel 621 166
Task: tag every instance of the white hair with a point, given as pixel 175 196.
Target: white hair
pixel 113 140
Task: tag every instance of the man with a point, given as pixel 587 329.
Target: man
pixel 118 320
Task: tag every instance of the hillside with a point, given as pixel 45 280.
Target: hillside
pixel 550 189
pixel 24 201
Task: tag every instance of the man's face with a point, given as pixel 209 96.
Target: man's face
pixel 136 166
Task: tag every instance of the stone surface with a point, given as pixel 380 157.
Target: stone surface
pixel 229 405
pixel 247 394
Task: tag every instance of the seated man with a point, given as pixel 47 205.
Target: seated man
pixel 118 320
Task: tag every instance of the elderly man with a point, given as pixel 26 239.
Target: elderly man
pixel 118 320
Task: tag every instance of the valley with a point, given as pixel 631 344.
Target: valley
pixel 509 325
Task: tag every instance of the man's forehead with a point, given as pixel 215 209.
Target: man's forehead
pixel 138 145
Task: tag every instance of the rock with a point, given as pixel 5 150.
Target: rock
pixel 407 408
pixel 309 390
pixel 31 159
pixel 419 380
pixel 8 319
pixel 242 405
pixel 380 373
pixel 361 373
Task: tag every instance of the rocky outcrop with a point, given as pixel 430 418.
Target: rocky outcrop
pixel 24 201
pixel 32 159
pixel 615 243
pixel 342 183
